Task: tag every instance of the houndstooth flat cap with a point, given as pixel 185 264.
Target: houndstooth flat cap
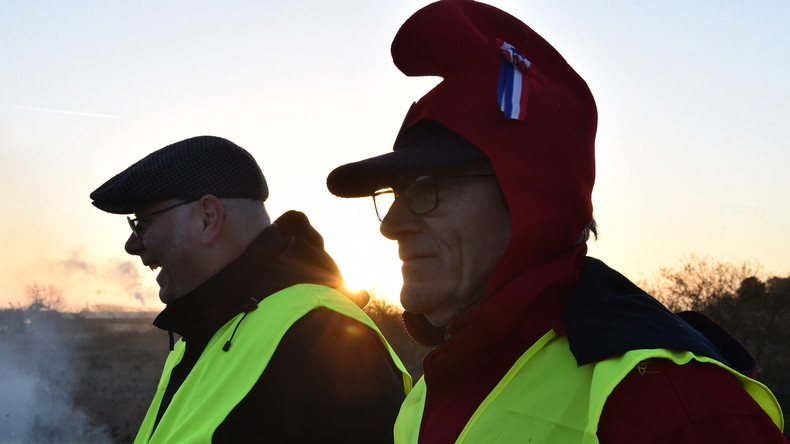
pixel 188 169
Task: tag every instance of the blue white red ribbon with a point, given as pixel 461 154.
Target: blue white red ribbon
pixel 513 87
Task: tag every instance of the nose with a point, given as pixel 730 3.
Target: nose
pixel 399 221
pixel 134 245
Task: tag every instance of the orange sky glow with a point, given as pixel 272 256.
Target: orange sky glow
pixel 692 148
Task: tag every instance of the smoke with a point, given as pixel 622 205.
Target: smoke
pixel 37 383
pixel 77 263
pixel 132 279
pixel 111 280
pixel 129 275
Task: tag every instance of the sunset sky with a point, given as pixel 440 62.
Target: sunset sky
pixel 692 149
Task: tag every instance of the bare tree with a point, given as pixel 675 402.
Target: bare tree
pixel 699 281
pixel 755 310
pixel 40 297
pixel 387 317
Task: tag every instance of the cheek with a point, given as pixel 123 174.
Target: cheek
pixel 179 253
pixel 484 245
pixel 174 251
pixel 453 258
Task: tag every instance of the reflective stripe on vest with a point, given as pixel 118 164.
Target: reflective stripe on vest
pixel 220 380
pixel 547 398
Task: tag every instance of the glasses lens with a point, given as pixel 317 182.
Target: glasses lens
pixel 383 200
pixel 132 225
pixel 421 195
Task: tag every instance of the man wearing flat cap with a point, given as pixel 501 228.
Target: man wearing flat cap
pixel 272 347
pixel 488 194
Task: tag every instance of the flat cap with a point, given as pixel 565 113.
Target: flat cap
pixel 188 169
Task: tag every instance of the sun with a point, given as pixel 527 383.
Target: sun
pixel 381 282
pixel 366 259
pixel 377 270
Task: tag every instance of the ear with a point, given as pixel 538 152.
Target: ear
pixel 212 215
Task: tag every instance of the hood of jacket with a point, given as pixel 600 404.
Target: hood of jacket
pixel 543 160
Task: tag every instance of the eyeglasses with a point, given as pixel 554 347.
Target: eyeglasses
pixel 139 229
pixel 421 195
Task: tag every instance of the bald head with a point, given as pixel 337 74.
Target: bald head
pixel 195 240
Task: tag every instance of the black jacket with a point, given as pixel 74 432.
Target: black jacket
pixel 315 388
pixel 607 315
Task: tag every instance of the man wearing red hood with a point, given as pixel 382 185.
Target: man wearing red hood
pixel 488 193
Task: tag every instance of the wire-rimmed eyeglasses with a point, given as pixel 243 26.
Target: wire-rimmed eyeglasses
pixel 421 195
pixel 139 229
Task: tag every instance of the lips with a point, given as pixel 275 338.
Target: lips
pixel 414 257
pixel 406 255
pixel 416 264
pixel 153 265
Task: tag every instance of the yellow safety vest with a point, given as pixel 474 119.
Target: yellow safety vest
pixel 220 380
pixel 547 398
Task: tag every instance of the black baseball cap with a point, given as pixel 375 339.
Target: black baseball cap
pixel 423 147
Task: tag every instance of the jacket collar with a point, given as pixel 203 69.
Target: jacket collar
pixel 288 252
pixel 221 297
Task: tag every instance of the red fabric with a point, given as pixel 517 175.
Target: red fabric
pixel 545 164
pixel 692 403
pixel 546 170
pixel 485 344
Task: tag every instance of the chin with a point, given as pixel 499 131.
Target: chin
pixel 411 299
pixel 439 321
pixel 419 299
pixel 165 296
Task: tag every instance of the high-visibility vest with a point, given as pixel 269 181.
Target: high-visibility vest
pixel 547 398
pixel 220 380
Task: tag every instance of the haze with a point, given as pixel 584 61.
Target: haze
pixel 692 151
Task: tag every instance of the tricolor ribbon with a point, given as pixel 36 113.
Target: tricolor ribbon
pixel 513 87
